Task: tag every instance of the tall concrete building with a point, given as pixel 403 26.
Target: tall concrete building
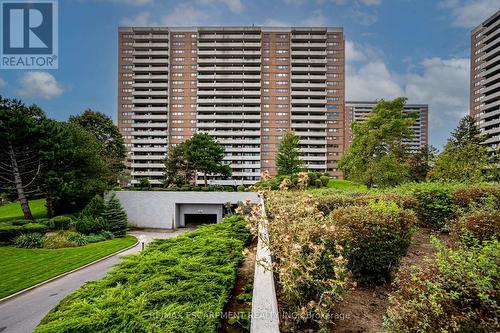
pixel 358 111
pixel 485 78
pixel 246 86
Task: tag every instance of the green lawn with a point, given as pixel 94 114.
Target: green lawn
pixel 345 184
pixel 13 210
pixel 22 268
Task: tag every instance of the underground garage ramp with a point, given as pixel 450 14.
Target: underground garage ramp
pixel 194 214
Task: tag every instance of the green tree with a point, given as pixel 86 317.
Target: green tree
pixel 113 148
pixel 95 207
pixel 464 158
pixel 377 155
pixel 73 168
pixel 206 155
pixel 144 184
pixel 420 162
pixel 20 165
pixel 288 161
pixel 178 170
pixel 115 216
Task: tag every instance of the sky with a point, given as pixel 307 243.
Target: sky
pixel 413 48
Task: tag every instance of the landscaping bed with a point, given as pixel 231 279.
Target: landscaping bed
pixel 23 268
pixel 180 284
pixel 395 260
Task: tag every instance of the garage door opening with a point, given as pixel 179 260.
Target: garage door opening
pixel 196 219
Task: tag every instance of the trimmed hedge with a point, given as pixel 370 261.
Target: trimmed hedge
pixel 176 285
pixel 60 222
pixel 377 237
pixel 8 232
pixel 458 292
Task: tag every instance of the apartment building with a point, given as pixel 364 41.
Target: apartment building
pixel 485 78
pixel 358 111
pixel 245 86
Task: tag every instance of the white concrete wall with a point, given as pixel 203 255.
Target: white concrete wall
pixel 156 209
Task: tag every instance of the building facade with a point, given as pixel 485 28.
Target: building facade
pixel 358 111
pixel 485 78
pixel 245 86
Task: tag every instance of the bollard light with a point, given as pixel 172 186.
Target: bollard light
pixel 142 240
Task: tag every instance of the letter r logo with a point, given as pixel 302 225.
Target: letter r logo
pixel 27 27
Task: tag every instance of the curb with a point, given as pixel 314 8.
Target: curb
pixel 19 293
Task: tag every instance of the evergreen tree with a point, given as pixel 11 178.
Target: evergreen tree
pixel 288 161
pixel 464 158
pixel 115 216
pixel 95 208
pixel 420 163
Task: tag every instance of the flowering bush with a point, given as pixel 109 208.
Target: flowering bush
pixel 308 259
pixel 458 292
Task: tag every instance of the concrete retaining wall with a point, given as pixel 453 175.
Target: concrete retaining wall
pixel 161 210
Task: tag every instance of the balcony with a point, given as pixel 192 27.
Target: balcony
pixel 150 101
pixel 228 77
pixel 235 125
pixel 149 53
pixel 149 133
pixel 308 61
pixel 149 149
pixel 228 61
pixel 149 157
pixel 308 125
pixel 151 108
pixel 229 100
pixel 309 53
pixel 229 92
pixel 312 37
pixel 203 36
pixel 309 77
pixel 229 69
pixel 308 93
pixel 229 108
pixel 150 124
pixel 295 118
pixel 215 116
pixel 222 52
pixel 150 141
pixel 151 45
pixel 151 92
pixel 228 84
pixel 307 85
pixel 228 44
pixel 308 101
pixel 309 45
pixel 148 165
pixel 144 76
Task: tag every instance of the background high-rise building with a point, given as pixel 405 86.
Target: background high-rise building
pixel 358 111
pixel 485 78
pixel 245 86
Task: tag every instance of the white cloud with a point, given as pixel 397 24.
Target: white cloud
pixel 470 13
pixel 316 19
pixel 39 85
pixel 3 83
pixel 182 15
pixel 140 20
pixel 275 23
pixel 444 85
pixel 235 6
pixel 441 83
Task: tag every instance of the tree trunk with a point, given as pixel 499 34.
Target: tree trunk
pixel 19 185
pixel 205 175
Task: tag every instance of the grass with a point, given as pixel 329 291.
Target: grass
pixel 13 210
pixel 22 268
pixel 345 184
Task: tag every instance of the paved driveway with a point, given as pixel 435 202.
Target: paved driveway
pixel 22 314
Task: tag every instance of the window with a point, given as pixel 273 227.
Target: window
pixel 179 35
pixel 281 98
pixel 178 51
pixel 178 43
pixel 281 51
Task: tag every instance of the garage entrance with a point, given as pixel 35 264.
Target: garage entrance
pixel 195 219
pixel 196 214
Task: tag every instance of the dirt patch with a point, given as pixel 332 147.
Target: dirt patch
pixel 236 318
pixel 363 309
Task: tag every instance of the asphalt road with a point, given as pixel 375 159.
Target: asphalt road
pixel 22 314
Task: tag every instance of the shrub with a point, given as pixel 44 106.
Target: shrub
pixel 59 240
pixel 186 188
pixel 477 196
pixel 458 292
pixel 477 225
pixel 228 189
pixel 308 259
pixel 325 180
pixel 29 241
pixel 60 222
pixel 95 207
pixel 87 224
pixel 169 287
pixel 312 178
pixel 196 188
pixel 241 188
pixel 318 183
pixel 20 222
pixel 434 205
pixel 115 216
pixel 205 188
pixel 377 238
pixel 34 227
pixel 78 239
pixel 107 234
